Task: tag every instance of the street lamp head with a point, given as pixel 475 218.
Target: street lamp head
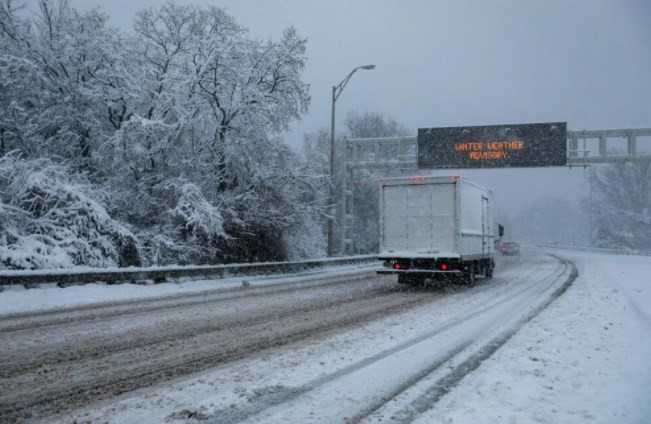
pixel 368 67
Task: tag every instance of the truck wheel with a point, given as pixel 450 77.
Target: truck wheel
pixel 470 276
pixel 489 269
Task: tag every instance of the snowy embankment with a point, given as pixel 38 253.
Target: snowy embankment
pixel 586 358
pixel 17 299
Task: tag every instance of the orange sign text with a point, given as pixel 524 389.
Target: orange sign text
pixel 489 150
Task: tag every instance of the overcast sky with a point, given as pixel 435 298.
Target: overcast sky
pixel 451 63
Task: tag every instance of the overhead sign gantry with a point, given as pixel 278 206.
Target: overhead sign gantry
pixel 493 146
pixel 541 145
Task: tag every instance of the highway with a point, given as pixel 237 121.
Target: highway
pixel 55 362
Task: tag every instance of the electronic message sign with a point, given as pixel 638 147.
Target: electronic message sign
pixel 493 146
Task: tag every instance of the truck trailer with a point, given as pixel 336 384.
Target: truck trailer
pixel 437 228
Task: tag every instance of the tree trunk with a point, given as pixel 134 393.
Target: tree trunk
pixel 222 186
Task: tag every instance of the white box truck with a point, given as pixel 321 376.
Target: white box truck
pixel 433 227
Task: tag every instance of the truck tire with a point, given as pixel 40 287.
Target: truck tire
pixel 489 269
pixel 469 275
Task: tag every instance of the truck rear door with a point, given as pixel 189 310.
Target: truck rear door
pixel 419 218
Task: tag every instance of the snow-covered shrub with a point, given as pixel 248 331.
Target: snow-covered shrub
pixel 198 217
pixel 304 241
pixel 52 220
pixel 186 229
pixel 159 249
pixel 276 196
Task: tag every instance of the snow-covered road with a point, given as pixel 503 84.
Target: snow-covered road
pixel 584 359
pixel 347 351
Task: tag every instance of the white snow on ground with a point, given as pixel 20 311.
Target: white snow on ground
pixel 585 359
pixel 235 387
pixel 17 299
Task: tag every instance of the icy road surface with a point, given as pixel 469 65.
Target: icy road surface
pixel 347 349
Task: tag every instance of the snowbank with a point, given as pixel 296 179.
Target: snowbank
pixel 584 359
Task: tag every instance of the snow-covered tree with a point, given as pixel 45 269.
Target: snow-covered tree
pixel 248 90
pixel 548 220
pixel 219 97
pixel 316 150
pixel 59 72
pixel 49 219
pixel 276 192
pixel 373 124
pixel 316 155
pixel 177 123
pixel 621 205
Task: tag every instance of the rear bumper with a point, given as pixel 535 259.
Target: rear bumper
pixel 385 256
pixel 419 271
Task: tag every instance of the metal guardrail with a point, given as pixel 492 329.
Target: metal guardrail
pixel 596 249
pixel 72 276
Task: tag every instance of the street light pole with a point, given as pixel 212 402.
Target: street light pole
pixel 336 92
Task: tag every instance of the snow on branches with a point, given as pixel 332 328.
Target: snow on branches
pixel 176 123
pixel 197 217
pixel 621 205
pixel 52 220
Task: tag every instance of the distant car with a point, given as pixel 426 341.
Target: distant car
pixel 509 248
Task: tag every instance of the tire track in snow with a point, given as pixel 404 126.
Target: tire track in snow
pixel 266 402
pixel 71 384
pixel 100 381
pixel 442 386
pixel 26 360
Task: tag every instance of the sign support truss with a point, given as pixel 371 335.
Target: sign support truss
pixel 393 154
